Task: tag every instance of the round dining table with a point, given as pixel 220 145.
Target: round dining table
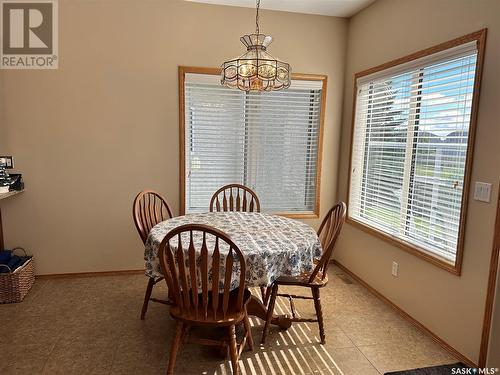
pixel 272 245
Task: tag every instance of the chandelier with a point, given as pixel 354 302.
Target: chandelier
pixel 256 70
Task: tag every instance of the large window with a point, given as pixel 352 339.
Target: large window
pixel 411 147
pixel 267 141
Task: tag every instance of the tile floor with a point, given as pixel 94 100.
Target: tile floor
pixel 91 325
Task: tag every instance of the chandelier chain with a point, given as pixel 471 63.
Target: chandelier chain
pixel 257 18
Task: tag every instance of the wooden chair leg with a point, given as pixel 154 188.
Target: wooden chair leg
pixel 270 311
pixel 185 332
pixel 248 332
pixel 174 347
pixel 319 313
pixel 263 294
pixel 266 293
pixel 233 350
pixel 147 296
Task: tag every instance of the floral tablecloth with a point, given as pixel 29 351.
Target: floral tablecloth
pixel 272 245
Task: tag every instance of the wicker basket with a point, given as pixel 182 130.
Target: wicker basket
pixel 14 286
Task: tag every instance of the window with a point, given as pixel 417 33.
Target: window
pixel 411 145
pixel 270 142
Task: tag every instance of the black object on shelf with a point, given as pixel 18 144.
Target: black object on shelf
pixel 16 182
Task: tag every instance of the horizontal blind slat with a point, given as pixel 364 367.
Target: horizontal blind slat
pixel 267 141
pixel 410 147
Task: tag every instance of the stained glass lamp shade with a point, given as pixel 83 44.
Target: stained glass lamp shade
pixel 256 70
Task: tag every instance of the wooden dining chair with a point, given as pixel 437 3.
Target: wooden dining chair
pixel 149 209
pixel 239 198
pixel 235 197
pixel 328 233
pixel 200 281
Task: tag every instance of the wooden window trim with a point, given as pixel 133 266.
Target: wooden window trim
pixel 183 70
pixel 490 291
pixel 456 268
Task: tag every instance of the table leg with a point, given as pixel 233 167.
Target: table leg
pixel 256 308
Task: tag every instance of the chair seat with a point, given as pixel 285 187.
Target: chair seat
pixel 303 280
pixel 232 317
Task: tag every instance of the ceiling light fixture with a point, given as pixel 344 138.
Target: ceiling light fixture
pixel 256 70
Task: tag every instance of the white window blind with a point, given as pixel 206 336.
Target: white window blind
pixel 411 133
pixel 266 141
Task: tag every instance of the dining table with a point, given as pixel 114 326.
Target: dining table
pixel 272 246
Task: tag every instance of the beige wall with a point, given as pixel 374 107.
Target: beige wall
pixel 2 116
pixel 450 306
pixel 89 136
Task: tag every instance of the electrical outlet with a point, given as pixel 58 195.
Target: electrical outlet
pixel 7 161
pixel 395 269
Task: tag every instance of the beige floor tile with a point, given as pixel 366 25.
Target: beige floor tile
pixel 23 358
pixel 372 330
pixel 395 357
pixel 352 361
pixel 91 325
pixel 28 366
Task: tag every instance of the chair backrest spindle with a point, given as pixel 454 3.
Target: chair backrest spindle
pixel 149 209
pixel 234 198
pixel 328 233
pixel 215 277
pixel 195 281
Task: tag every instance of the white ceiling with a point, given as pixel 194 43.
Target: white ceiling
pixel 338 8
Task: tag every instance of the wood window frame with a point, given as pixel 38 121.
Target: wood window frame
pixel 490 291
pixel 456 268
pixel 183 70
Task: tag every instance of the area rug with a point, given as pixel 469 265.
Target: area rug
pixel 435 370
